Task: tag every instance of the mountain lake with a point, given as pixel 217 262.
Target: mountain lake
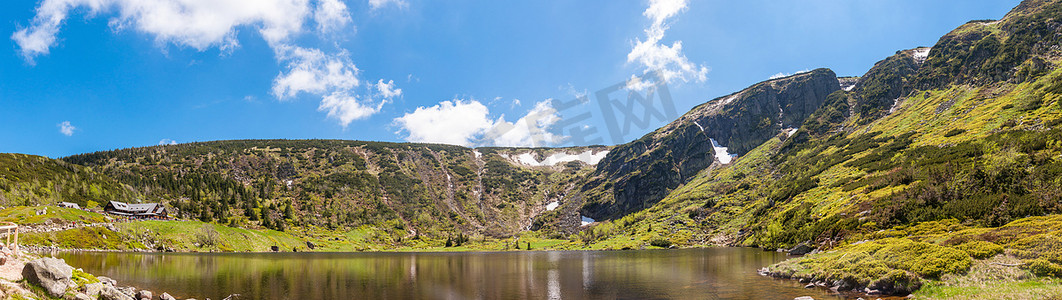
pixel 712 273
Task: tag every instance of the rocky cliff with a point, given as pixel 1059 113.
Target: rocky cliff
pixel 637 174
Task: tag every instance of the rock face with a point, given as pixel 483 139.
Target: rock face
pixel 1016 48
pixel 52 274
pixel 635 175
pixel 877 91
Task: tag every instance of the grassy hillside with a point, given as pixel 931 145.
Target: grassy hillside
pixel 406 190
pixel 30 179
pixel 938 167
pixel 974 137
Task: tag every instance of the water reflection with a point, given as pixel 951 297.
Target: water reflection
pixel 726 273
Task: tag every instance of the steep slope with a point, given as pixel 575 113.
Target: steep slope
pixel 977 144
pixel 968 139
pixel 636 175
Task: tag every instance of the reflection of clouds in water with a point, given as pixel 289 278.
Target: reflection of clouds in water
pixel 586 271
pixel 726 273
pixel 553 291
pixel 413 268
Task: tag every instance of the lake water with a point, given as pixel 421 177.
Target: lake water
pixel 718 273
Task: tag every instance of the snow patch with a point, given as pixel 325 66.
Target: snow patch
pixel 790 131
pixel 476 153
pixel 588 157
pixel 720 152
pixel 552 205
pixel 527 159
pixel 586 220
pixel 698 125
pixel 729 99
pixel 849 88
pixel 921 54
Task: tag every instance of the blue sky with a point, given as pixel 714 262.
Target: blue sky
pixel 116 74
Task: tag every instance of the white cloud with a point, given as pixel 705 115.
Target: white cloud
pixel 387 90
pixel 311 70
pixel 203 24
pixel 194 23
pixel 468 123
pixel 377 4
pixel 167 142
pixel 334 77
pixel 532 130
pixel 653 56
pixel 449 122
pixel 331 15
pixel 346 108
pixel 66 129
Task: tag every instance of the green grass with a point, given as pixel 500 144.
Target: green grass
pixel 195 236
pixel 27 215
pixel 82 238
pixel 893 264
pixel 199 236
pixel 988 279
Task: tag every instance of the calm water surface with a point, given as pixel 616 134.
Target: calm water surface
pixel 720 273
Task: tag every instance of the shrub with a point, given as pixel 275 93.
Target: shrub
pixel 889 263
pixel 954 132
pixel 1039 246
pixel 660 242
pixel 1042 267
pixel 980 249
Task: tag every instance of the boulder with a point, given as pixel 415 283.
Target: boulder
pixel 52 274
pixel 143 295
pixel 92 289
pixel 804 298
pixel 112 293
pixel 800 249
pixel 128 291
pixel 274 248
pixel 166 296
pixel 82 296
pixel 310 245
pixel 107 281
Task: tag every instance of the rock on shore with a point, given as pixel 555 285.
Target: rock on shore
pixel 52 274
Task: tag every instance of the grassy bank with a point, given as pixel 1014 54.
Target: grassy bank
pixel 196 236
pixel 32 215
pixel 943 259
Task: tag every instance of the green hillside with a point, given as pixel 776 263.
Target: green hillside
pixel 940 165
